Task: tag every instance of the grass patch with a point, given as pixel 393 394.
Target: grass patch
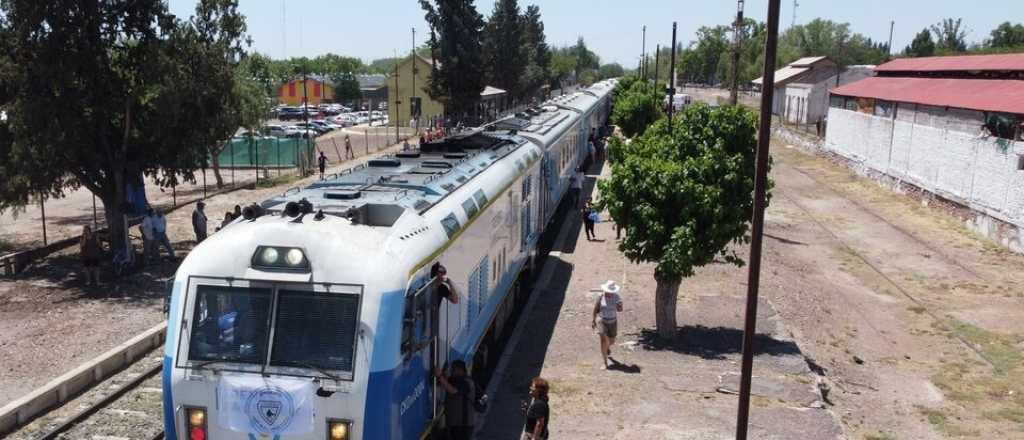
pixel 5 246
pixel 942 423
pixel 1000 348
pixel 917 309
pixel 878 436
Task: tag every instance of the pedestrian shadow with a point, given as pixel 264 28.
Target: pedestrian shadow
pixel 625 368
pixel 714 343
pixel 785 240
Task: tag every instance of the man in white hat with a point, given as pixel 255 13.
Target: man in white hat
pixel 608 305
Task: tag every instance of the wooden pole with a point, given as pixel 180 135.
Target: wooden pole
pixel 42 211
pixel 757 231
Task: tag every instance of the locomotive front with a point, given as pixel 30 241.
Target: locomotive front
pixel 269 334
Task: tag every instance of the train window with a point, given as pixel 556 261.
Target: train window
pixel 470 207
pixel 481 198
pixel 230 324
pixel 315 330
pixel 451 225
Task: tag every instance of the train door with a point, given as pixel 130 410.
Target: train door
pixel 421 328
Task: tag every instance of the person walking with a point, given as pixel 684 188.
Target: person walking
pixel 348 148
pixel 589 215
pixel 148 235
pixel 322 162
pixel 160 232
pixel 576 187
pixel 228 218
pixel 538 413
pixel 460 402
pixel 199 222
pixel 608 306
pixel 405 145
pixel 91 252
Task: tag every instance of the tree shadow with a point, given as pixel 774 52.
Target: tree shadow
pixel 714 343
pixel 785 240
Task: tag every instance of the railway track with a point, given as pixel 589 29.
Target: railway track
pixel 127 406
pixel 878 271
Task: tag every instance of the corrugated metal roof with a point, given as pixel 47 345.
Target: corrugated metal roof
pixel 997 95
pixel 1001 62
pixel 806 61
pixel 784 75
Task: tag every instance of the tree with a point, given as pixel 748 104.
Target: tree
pixel 563 66
pixel 1006 36
pixel 585 59
pixel 384 66
pixel 950 35
pixel 346 87
pixel 458 76
pixel 612 70
pixel 921 46
pixel 538 54
pixel 140 102
pixel 213 38
pixel 637 105
pixel 503 50
pixel 684 195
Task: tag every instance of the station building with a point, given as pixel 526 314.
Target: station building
pixel 801 87
pixel 948 126
pixel 317 90
pixel 407 90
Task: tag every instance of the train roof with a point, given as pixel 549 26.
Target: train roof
pixel 379 191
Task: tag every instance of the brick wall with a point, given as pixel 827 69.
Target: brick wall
pixel 978 172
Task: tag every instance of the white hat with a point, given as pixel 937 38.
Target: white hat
pixel 610 287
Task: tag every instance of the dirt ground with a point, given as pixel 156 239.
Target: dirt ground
pixel 909 324
pixel 50 322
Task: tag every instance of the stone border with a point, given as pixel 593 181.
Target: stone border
pixel 71 384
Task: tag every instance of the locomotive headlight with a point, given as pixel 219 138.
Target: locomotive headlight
pixel 291 259
pixel 196 417
pixel 294 257
pixel 337 430
pixel 269 256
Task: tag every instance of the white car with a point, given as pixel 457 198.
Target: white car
pixel 283 131
pixel 679 101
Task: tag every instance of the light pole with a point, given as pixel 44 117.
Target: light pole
pixel 737 26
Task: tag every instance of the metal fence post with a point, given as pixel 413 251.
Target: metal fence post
pixel 204 182
pixel 278 159
pixel 94 226
pixel 42 210
pixel 174 193
pixel 336 150
pixel 233 162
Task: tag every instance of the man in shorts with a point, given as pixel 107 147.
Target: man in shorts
pixel 608 306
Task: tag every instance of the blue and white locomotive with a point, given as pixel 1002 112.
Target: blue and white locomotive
pixel 316 315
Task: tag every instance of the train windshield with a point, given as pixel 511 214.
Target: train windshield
pixel 281 329
pixel 315 330
pixel 230 324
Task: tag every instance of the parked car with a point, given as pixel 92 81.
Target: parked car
pixel 344 120
pixel 289 113
pixel 282 131
pixel 326 126
pixel 312 128
pixel 679 101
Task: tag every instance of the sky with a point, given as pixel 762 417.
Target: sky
pixel 611 28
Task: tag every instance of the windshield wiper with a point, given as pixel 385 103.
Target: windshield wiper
pixel 210 362
pixel 307 365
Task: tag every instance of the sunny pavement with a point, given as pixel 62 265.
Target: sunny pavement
pixel 683 391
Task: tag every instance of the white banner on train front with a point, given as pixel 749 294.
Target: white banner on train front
pixel 262 405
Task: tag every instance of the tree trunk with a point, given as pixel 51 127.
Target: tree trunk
pixel 665 306
pixel 215 162
pixel 113 212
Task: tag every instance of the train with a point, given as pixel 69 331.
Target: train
pixel 317 315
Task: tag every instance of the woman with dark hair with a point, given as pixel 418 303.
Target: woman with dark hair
pixel 538 414
pixel 445 287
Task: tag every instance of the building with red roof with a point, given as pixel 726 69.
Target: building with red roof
pixel 950 126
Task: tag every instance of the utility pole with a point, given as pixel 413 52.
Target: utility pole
pixel 888 48
pixel 412 99
pixel 737 29
pixel 643 53
pixel 795 6
pixel 657 59
pixel 757 231
pixel 305 114
pixel 398 99
pixel 671 89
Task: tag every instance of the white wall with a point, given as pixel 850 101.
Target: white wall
pixel 978 172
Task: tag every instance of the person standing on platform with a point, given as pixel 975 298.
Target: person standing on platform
pixel 589 216
pixel 348 148
pixel 199 222
pixel 160 232
pixel 576 187
pixel 91 253
pixel 538 413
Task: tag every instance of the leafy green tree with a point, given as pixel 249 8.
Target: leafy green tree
pixel 346 87
pixel 684 196
pixel 455 35
pixel 611 70
pixel 585 59
pixel 503 49
pixel 384 66
pixel 950 35
pixel 1007 35
pixel 636 107
pixel 142 101
pixel 921 46
pixel 700 61
pixel 538 54
pixel 563 67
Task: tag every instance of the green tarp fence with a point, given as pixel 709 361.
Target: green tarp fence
pixel 266 152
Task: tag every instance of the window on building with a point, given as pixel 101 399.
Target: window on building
pixel 850 104
pixel 836 101
pixel 1020 162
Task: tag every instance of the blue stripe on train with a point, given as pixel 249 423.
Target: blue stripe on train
pixel 170 431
